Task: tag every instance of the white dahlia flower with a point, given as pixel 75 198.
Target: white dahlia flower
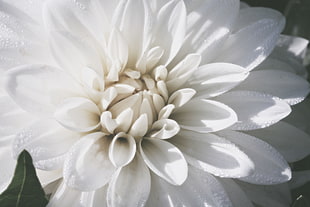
pixel 151 103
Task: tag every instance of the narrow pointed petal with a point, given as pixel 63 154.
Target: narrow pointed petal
pixel 204 116
pixel 171 24
pixel 213 154
pixel 165 160
pixel 88 167
pixel 41 139
pixel 216 78
pixel 78 114
pixel 291 142
pixel 39 88
pixel 255 110
pixel 122 149
pixel 134 178
pixel 164 129
pixel 181 97
pixel 270 167
pixel 134 34
pixel 182 72
pixel 266 24
pixel 287 86
pixel 124 120
pixel 107 122
pixel 139 127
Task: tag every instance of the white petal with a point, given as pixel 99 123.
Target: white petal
pixel 266 24
pixel 204 116
pixel 78 114
pixel 12 117
pixel 22 41
pixel 291 142
pixel 130 187
pixel 47 142
pixel 181 97
pixel 66 196
pixel 164 129
pixel 122 149
pixel 124 120
pixel 182 72
pixel 165 160
pixel 255 110
pixel 49 177
pixel 8 163
pixel 136 35
pixel 74 54
pixel 199 189
pixel 213 154
pixel 118 49
pixel 100 197
pixel 295 46
pixel 270 167
pixel 287 86
pixel 171 24
pixel 236 195
pixel 207 27
pixel 107 122
pixel 166 111
pixel 274 195
pixel 139 127
pixel 216 78
pixel 87 166
pixel 39 88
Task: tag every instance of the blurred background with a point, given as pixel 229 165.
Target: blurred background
pixel 297 13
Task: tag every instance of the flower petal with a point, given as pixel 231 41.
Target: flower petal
pixel 178 75
pixel 199 189
pixel 136 35
pixel 207 27
pixel 164 129
pixel 87 166
pixel 8 163
pixel 270 167
pixel 236 195
pixel 181 97
pixel 139 127
pixel 78 114
pixel 39 88
pixel 47 142
pixel 213 154
pixel 66 196
pixel 266 24
pixel 122 149
pixel 134 178
pixel 255 110
pixel 165 160
pixel 171 24
pixel 273 195
pixel 12 117
pixel 216 78
pixel 287 86
pixel 204 116
pixel 291 142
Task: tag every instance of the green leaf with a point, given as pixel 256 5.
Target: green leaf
pixel 25 189
pixel 301 201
